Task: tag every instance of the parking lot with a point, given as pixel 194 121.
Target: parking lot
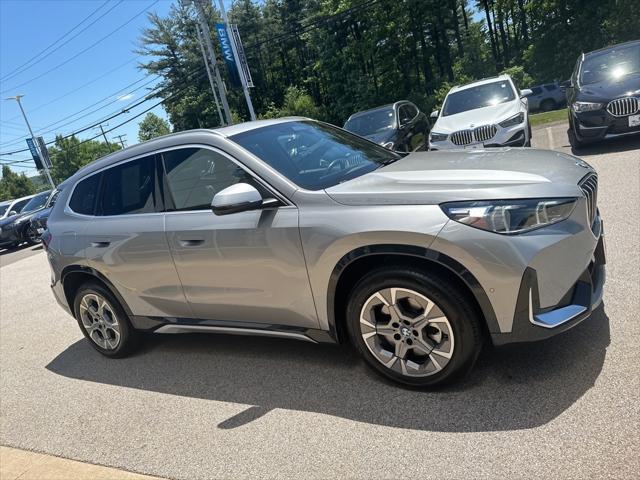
pixel 213 406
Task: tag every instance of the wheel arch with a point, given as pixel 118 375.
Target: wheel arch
pixel 74 276
pixel 356 263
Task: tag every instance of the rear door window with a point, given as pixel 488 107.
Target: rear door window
pixel 129 188
pixel 83 199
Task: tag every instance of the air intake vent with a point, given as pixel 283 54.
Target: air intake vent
pixel 589 186
pixel 485 132
pixel 621 107
pixel 462 137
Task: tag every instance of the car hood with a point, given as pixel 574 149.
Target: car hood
pixel 605 91
pixel 474 118
pixel 427 178
pixel 19 218
pixel 381 137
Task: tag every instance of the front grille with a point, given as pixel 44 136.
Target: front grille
pixel 621 107
pixel 462 137
pixel 485 132
pixel 589 186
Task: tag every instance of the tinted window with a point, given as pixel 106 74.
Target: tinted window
pixel 129 188
pixel 536 90
pixel 551 87
pixel 4 208
pixel 485 95
pixel 18 206
pixel 373 121
pixel 314 155
pixel 611 65
pixel 84 195
pixel 36 202
pixel 195 175
pixel 406 113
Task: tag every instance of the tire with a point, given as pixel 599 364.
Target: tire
pixel 452 331
pixel 547 105
pixel 114 340
pixel 30 236
pixel 574 141
pixel 528 142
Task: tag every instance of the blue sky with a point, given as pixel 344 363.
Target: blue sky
pixel 29 26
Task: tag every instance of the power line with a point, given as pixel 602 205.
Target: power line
pixel 85 49
pixel 41 130
pixel 19 69
pixel 71 92
pixel 146 98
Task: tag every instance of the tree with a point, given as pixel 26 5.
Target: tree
pixel 152 126
pixel 13 185
pixel 70 154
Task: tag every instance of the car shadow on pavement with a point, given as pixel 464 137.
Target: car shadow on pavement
pixel 515 387
pixel 616 145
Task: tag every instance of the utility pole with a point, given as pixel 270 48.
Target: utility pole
pixel 105 136
pixel 206 33
pixel 208 67
pixel 234 49
pixel 119 137
pixel 33 138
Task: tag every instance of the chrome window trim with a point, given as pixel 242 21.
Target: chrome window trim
pixel 69 211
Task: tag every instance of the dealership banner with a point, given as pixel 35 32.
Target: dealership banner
pixel 227 54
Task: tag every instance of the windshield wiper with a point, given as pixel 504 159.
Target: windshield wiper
pixel 389 161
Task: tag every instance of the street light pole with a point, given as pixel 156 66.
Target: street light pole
pixel 33 137
pixel 208 67
pixel 234 49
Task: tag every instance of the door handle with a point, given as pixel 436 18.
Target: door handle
pixel 100 244
pixel 191 243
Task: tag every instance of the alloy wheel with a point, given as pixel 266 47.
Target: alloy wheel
pixel 100 321
pixel 407 332
pixel 32 235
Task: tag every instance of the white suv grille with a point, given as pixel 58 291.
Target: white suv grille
pixel 462 137
pixel 621 107
pixel 485 132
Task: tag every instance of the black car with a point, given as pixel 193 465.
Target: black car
pixel 39 218
pixel 400 126
pixel 603 94
pixel 17 229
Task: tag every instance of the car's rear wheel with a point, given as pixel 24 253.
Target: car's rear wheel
pixel 413 327
pixel 103 321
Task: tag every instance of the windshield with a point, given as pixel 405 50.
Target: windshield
pixel 611 65
pixel 485 95
pixel 374 121
pixel 3 209
pixel 36 202
pixel 314 155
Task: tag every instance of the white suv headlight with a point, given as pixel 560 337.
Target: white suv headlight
pixel 579 107
pixel 510 216
pixel 511 121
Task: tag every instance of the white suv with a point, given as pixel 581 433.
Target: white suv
pixel 488 113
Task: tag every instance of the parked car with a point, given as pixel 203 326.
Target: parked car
pixel 17 229
pixel 488 113
pixel 13 207
pixel 400 126
pixel 298 229
pixel 544 98
pixel 39 218
pixel 603 94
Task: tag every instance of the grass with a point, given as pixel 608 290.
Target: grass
pixel 548 117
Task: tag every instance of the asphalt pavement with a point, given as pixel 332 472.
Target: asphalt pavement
pixel 214 406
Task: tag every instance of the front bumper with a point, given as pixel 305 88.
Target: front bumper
pixel 601 125
pixel 532 323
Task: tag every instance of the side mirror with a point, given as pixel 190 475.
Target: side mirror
pixel 434 114
pixel 236 198
pixel 11 213
pixel 526 92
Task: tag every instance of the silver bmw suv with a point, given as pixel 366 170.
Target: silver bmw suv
pixel 294 228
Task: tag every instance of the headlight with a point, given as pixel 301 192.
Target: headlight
pixel 579 107
pixel 511 121
pixel 510 216
pixel 438 137
pixel 388 145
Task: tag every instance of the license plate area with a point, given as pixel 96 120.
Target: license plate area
pixel 634 120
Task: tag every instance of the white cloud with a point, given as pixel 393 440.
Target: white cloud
pixel 127 96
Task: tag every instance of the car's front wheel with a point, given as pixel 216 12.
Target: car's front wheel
pixel 416 328
pixel 103 321
pixel 31 235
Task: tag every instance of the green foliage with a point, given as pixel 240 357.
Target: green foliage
pixel 70 154
pixel 14 185
pixel 330 58
pixel 521 78
pixel 152 126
